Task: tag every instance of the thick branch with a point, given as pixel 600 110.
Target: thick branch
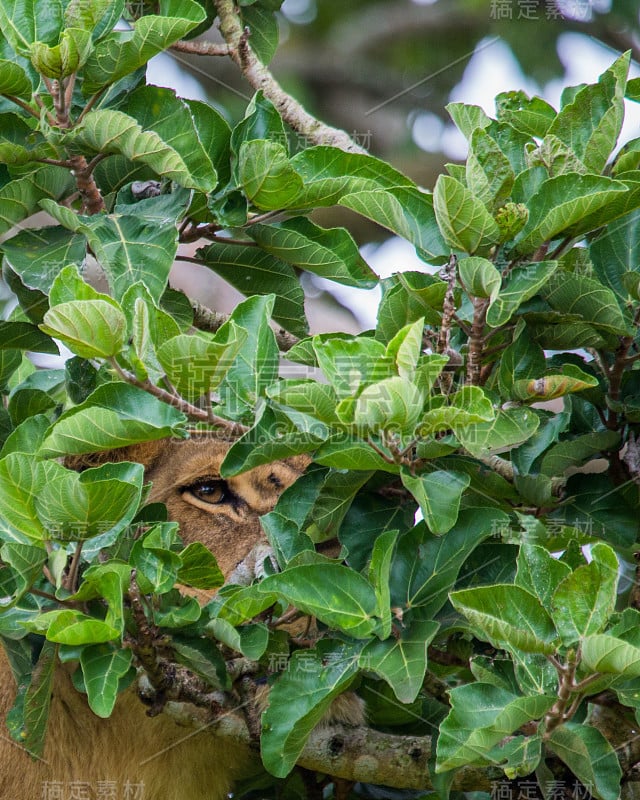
pixel 260 78
pixel 355 754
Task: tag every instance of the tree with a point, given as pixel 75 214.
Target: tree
pixel 488 620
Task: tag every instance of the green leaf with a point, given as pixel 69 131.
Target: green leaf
pixel 77 506
pixel 25 403
pixel 115 415
pixel 199 568
pixel 264 31
pixel 467 117
pixel 489 175
pixel 479 277
pixel 24 336
pixel 284 525
pixel 406 347
pixel 510 428
pixel 393 404
pixel 424 581
pixel 309 397
pixel 36 256
pixel 156 566
pixel 548 432
pixel 328 174
pixel 20 198
pixel 591 123
pixel 585 599
pixel 611 655
pixel 599 509
pixel 299 699
pixel 37 702
pixel 64 58
pixel 202 656
pixel 197 363
pixel 261 121
pixel 481 716
pixel 408 297
pixel 379 573
pixel 539 572
pixel 108 583
pixel 21 480
pixel 335 594
pixel 439 494
pixel 90 328
pixel 14 80
pixel 250 640
pixel 266 175
pixel 331 254
pixel 74 628
pixel 522 360
pixel 102 668
pixel 401 662
pixel 337 494
pixel 559 206
pixel 590 757
pixel 255 272
pixel 589 299
pixel 464 221
pixel 113 132
pixel 532 116
pixel 405 211
pixel 121 52
pixel 352 364
pixel 190 134
pixel 19 144
pixel 22 25
pixel 26 562
pixel 523 283
pixel 615 252
pixel 129 247
pixel 351 453
pixel 574 452
pixel 508 616
pixel 256 365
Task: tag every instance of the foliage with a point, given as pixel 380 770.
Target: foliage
pixel 442 408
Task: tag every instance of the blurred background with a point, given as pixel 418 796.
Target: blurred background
pixel 384 70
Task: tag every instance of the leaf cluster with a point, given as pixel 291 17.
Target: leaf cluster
pixel 530 296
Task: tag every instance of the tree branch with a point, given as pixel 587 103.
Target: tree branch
pixel 205 319
pixel 261 79
pixel 355 754
pixel 202 48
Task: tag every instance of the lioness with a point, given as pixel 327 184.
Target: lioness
pixel 131 755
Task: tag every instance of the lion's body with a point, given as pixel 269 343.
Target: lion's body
pixel 154 757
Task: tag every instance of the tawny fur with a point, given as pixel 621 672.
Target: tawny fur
pixel 170 762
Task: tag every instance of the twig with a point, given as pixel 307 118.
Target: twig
pixel 24 106
pixel 200 414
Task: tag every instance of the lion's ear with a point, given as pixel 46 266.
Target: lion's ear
pixel 145 453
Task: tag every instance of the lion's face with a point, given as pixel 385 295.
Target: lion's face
pixel 222 514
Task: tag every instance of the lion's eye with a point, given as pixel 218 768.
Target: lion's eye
pixel 208 490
